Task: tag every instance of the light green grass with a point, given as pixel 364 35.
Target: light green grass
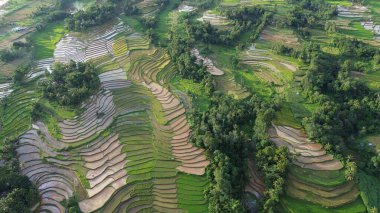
pixel 322 178
pixel 45 40
pixel 293 205
pixel 358 31
pixel 134 23
pixel 190 193
pixel 340 2
pixel 286 117
pixel 200 100
pixel 163 24
pixel 369 190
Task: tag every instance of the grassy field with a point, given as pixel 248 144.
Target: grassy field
pixel 369 190
pixel 372 80
pixel 16 113
pixel 45 40
pixel 357 31
pixel 322 178
pixel 374 6
pixel 198 96
pixel 190 193
pixel 293 205
pixel 163 23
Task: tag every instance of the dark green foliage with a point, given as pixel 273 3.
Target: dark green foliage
pixel 304 54
pixel 18 193
pixel 356 55
pixel 306 14
pixel 70 84
pixel 8 55
pixel 19 45
pixel 272 162
pixel 20 73
pixel 370 191
pixel 93 16
pixel 244 19
pixel 72 205
pixel 223 131
pixel 179 51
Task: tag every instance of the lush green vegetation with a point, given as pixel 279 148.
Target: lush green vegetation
pixel 93 16
pixel 70 84
pixel 18 192
pixel 44 40
pixel 287 63
pixel 290 205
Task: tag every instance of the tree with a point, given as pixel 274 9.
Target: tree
pixel 330 27
pixel 20 73
pixel 350 170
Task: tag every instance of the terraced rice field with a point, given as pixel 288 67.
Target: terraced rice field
pixel 214 19
pixel 16 114
pixel 255 185
pixel 251 2
pixel 315 175
pixel 268 67
pixel 128 149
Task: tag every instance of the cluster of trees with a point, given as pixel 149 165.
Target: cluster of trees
pixel 49 14
pixel 306 14
pixel 348 108
pixel 151 20
pixel 186 64
pixel 233 131
pixel 204 4
pixel 70 84
pixel 18 194
pixel 357 56
pixel 93 16
pixel 220 131
pixel 243 19
pixel 17 50
pixel 272 161
pixel 72 205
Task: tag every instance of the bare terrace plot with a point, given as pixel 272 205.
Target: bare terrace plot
pixel 55 183
pixel 93 46
pixel 147 7
pixel 268 66
pixel 353 11
pixel 282 36
pixel 5 90
pixel 214 19
pixel 311 158
pixel 308 154
pixel 114 79
pixel 186 8
pixel 358 12
pixel 97 117
pixel 105 163
pixel 211 68
pixel 255 185
pixel 192 158
pixel 40 67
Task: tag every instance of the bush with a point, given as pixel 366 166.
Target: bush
pixel 8 55
pixel 20 73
